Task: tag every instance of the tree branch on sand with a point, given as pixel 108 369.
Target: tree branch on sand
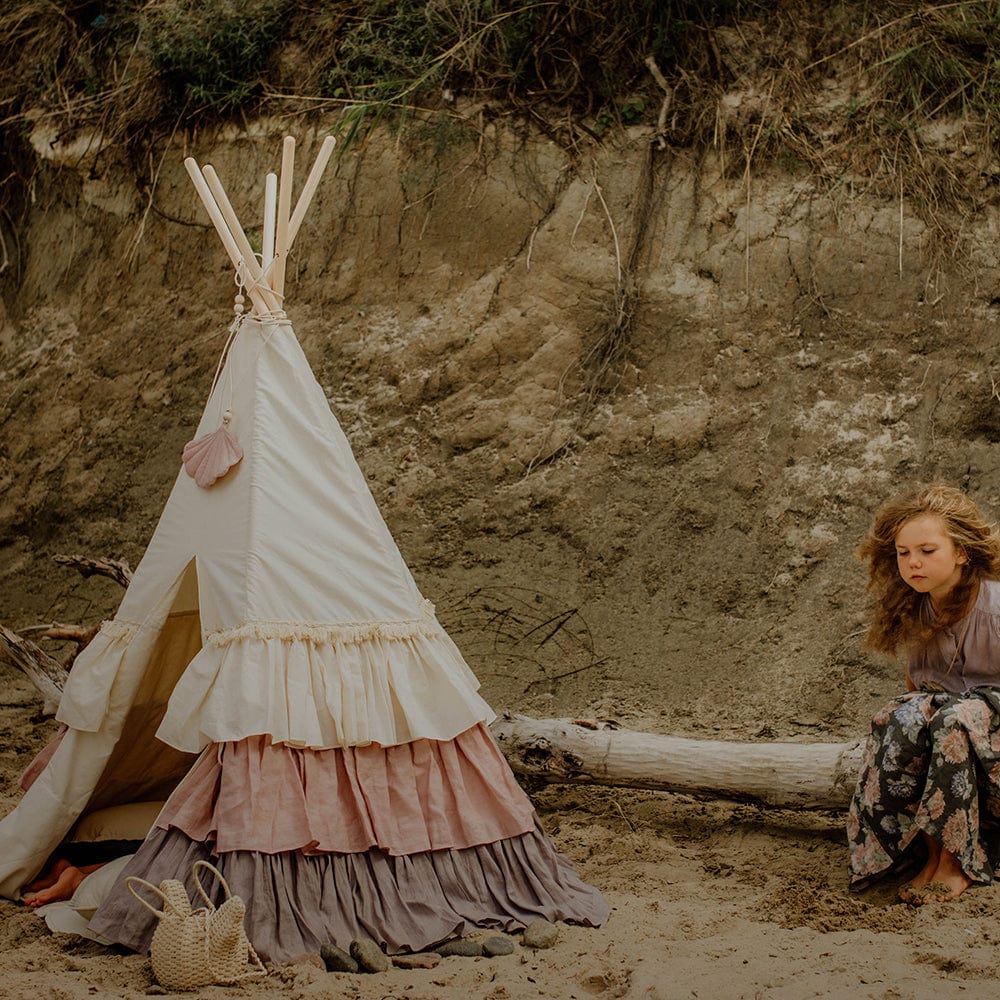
pixel 80 634
pixel 118 570
pixel 44 671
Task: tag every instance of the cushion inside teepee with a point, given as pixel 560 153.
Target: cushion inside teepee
pixel 130 821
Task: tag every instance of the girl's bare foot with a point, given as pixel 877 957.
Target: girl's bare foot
pixel 63 887
pixel 949 881
pixel 48 877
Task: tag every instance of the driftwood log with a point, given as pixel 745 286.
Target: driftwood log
pixel 791 775
pixel 44 671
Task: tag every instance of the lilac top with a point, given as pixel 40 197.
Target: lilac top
pixel 978 661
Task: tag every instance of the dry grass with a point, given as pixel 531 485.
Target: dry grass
pixel 889 96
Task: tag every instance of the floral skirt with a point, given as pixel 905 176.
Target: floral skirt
pixel 931 764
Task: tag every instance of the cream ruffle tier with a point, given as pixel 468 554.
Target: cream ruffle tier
pixel 316 686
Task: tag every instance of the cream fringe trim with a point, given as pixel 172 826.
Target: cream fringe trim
pixel 333 634
pixel 325 634
pixel 115 628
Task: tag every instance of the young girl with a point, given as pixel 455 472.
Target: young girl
pixel 930 781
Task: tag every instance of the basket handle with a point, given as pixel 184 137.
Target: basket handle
pixel 167 904
pixel 196 870
pixel 152 888
pixel 258 970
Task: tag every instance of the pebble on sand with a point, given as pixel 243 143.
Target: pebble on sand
pixel 540 934
pixel 337 960
pixel 465 947
pixel 497 945
pixel 424 960
pixel 369 955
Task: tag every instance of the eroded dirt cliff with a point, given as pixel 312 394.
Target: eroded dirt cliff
pixel 669 543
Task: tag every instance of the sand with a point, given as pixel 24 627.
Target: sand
pixel 710 900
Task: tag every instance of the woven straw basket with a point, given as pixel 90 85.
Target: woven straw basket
pixel 202 947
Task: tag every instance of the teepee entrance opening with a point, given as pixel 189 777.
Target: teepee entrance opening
pixel 142 768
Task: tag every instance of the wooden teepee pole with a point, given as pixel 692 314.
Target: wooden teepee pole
pixel 270 218
pixel 253 268
pixel 281 242
pixel 312 182
pixel 222 228
pixel 281 225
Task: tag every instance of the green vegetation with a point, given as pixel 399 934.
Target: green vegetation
pixel 848 88
pixel 209 55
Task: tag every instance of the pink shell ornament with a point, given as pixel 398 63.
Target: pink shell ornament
pixel 208 458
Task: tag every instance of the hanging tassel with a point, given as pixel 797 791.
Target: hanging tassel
pixel 208 458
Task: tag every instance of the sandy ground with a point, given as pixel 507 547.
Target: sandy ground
pixel 710 900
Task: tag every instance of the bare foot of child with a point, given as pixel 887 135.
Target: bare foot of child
pixel 949 881
pixel 63 887
pixel 48 877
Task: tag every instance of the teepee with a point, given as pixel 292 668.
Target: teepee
pixel 274 674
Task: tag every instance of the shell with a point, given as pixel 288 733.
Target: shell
pixel 211 456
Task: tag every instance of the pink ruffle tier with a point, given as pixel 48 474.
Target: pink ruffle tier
pixel 408 845
pixel 427 795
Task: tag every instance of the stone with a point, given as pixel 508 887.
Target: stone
pixel 465 947
pixel 369 955
pixel 540 934
pixel 497 945
pixel 337 960
pixel 425 960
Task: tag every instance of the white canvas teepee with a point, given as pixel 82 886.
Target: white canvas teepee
pixel 243 590
pixel 272 625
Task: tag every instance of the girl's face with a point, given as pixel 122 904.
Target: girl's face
pixel 928 560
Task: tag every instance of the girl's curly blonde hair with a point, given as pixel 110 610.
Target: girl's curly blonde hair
pixel 895 618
